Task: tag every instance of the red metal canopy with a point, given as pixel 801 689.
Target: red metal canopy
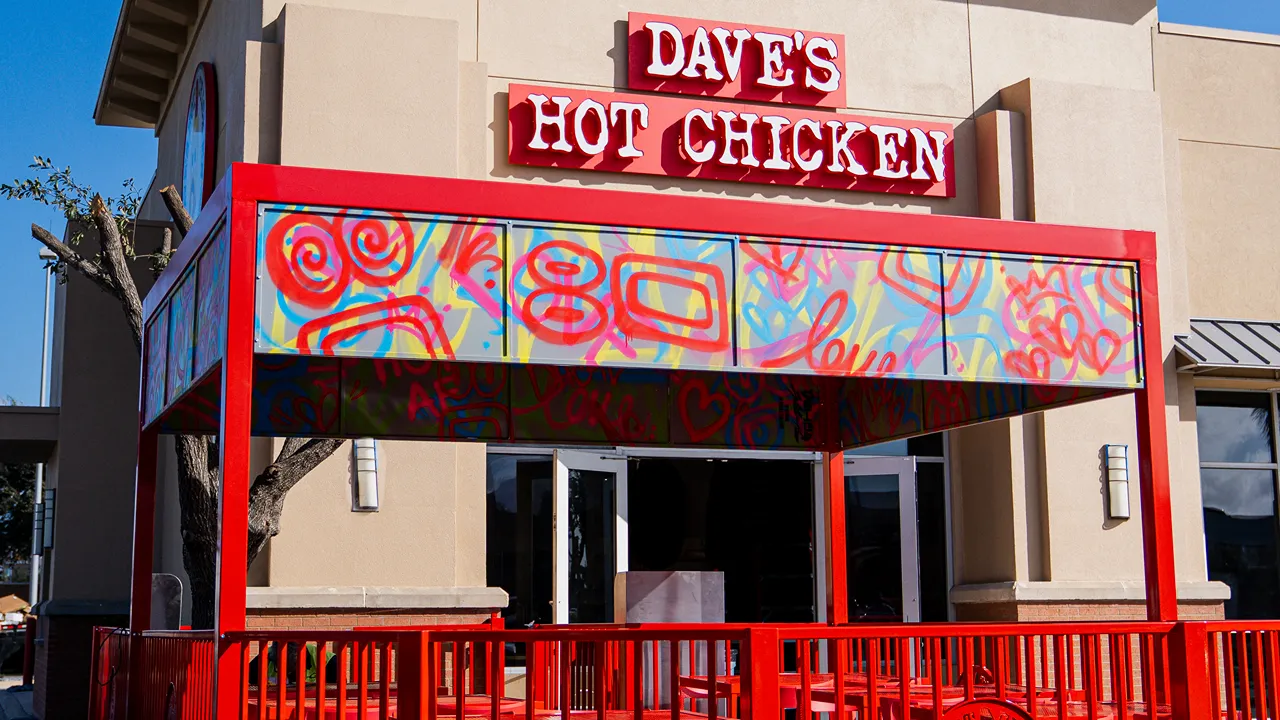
pixel 320 302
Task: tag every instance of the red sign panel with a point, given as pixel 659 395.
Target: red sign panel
pixel 709 140
pixel 730 60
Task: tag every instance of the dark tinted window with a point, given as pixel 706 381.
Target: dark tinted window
pixel 1234 427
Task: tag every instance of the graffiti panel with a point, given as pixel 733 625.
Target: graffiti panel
pixel 157 363
pixel 1041 320
pixel 746 410
pixel 876 410
pixel 838 309
pixel 367 397
pixel 405 398
pixel 359 283
pixel 198 411
pixel 296 396
pixel 211 303
pixel 613 406
pixel 182 321
pixel 377 284
pixel 598 296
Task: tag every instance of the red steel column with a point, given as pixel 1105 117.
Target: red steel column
pixel 1191 683
pixel 233 509
pixel 1153 460
pixel 144 526
pixel 837 573
pixel 760 673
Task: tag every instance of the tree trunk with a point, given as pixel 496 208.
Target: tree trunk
pixel 198 502
pixel 198 478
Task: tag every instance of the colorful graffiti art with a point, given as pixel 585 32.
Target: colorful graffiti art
pixel 346 282
pixel 494 402
pixel 296 396
pixel 404 398
pixel 359 283
pixel 157 364
pixel 839 310
pixel 593 296
pixel 211 303
pixel 1041 321
pixel 182 320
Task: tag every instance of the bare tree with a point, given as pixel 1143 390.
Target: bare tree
pixel 113 219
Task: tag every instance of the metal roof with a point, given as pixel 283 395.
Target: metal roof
pixel 1215 344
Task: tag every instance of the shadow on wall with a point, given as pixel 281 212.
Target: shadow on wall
pixel 1117 11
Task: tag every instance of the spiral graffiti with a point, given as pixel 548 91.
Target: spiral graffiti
pixel 379 257
pixel 305 259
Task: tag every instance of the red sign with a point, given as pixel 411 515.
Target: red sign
pixel 744 62
pixel 709 140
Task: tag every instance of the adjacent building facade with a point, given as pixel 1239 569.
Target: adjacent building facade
pixel 1095 115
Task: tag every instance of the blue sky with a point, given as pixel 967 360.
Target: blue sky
pixel 50 66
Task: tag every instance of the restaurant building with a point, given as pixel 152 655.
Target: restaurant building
pixel 1090 114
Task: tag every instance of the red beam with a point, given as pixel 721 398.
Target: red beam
pixel 1153 460
pixel 837 598
pixel 144 525
pixel 679 212
pixel 233 516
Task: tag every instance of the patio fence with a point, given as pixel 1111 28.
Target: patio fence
pixel 1127 671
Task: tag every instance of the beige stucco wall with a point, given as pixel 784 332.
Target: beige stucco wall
pixel 1222 98
pixel 419 87
pixel 219 39
pixel 428 532
pixel 94 365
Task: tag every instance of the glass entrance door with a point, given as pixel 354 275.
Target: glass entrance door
pixel 589 526
pixel 881 539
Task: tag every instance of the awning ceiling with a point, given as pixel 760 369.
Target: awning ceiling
pixel 1235 348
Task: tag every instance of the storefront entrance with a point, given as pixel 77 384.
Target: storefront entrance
pixel 756 517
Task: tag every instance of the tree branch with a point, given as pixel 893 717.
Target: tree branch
pixel 118 267
pixel 72 259
pixel 178 211
pixel 267 493
pixel 297 457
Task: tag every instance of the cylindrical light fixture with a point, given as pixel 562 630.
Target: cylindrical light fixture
pixel 1117 464
pixel 364 474
pixel 49 495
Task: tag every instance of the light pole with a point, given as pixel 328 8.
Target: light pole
pixel 37 532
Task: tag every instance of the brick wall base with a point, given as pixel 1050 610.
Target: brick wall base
pixel 1078 611
pixel 64 651
pixel 346 619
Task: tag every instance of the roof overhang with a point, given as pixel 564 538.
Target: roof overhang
pixel 27 434
pixel 1246 349
pixel 151 40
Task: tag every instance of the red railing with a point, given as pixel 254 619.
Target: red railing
pixel 108 681
pixel 173 672
pixel 290 675
pixel 604 672
pixel 1244 669
pixel 1116 670
pixel 1126 671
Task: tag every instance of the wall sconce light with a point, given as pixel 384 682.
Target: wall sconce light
pixel 364 475
pixel 37 536
pixel 49 496
pixel 1117 465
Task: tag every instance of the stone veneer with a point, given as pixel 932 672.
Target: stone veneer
pixel 1079 601
pixel 344 608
